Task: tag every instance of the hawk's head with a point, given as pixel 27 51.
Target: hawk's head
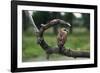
pixel 64 30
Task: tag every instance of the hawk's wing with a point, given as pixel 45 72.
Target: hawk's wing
pixel 61 39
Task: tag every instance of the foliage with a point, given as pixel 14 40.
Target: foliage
pixel 41 17
pixel 86 18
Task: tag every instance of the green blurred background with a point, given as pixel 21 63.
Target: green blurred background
pixel 78 38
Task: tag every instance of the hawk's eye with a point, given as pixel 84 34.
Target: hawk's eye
pixel 64 29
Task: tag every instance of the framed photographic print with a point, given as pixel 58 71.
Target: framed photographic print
pixel 51 36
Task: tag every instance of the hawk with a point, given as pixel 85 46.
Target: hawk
pixel 62 38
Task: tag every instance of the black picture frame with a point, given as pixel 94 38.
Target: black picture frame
pixel 14 5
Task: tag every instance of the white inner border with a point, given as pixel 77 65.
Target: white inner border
pixel 53 63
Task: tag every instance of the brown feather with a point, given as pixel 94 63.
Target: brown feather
pixel 62 37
